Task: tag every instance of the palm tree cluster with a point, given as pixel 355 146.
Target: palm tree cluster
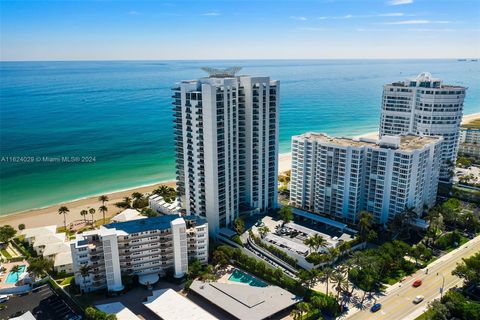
pixel 39 266
pixel 337 277
pixel 103 208
pixel 167 193
pixel 315 242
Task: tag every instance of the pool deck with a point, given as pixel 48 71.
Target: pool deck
pixel 228 272
pixel 3 275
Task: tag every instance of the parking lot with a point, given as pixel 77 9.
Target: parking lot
pixel 42 302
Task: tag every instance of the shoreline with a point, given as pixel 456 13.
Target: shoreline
pixel 48 215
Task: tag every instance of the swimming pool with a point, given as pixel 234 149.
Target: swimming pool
pixel 14 276
pixel 242 277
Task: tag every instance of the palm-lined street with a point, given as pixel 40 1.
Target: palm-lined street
pixel 397 301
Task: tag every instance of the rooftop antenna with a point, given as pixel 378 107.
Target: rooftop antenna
pixel 221 73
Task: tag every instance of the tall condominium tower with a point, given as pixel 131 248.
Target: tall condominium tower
pixel 425 106
pixel 341 177
pixel 226 135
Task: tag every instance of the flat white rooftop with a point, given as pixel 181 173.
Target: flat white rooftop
pixel 117 308
pixel 128 215
pixel 245 302
pixel 406 142
pixel 169 305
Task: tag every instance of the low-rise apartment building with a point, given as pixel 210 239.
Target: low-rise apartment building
pixel 469 135
pixel 469 141
pixel 157 203
pixel 51 245
pixel 148 248
pixel 341 176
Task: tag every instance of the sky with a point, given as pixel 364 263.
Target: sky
pixel 235 29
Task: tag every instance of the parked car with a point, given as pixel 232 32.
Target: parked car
pixel 418 299
pixel 376 307
pixel 4 298
pixel 417 283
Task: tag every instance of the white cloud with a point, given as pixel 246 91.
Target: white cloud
pixel 399 2
pixel 417 22
pixel 430 30
pixel 392 14
pixel 211 14
pixel 347 16
pixel 350 16
pixel 298 18
pixel 133 13
pixel 409 29
pixel 311 29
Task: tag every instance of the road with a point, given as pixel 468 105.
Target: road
pixel 397 303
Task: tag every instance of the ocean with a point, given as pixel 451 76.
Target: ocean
pixel 112 120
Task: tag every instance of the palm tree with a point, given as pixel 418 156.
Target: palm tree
pixel 364 223
pixel 85 272
pixel 326 275
pixel 127 201
pixel 332 254
pixel 263 231
pixel 103 210
pixel 64 210
pixel 285 214
pixel 39 266
pixel 303 307
pixel 315 242
pixel 296 314
pixel 137 195
pixel 103 199
pixel 340 281
pixel 16 269
pixel 92 212
pixel 84 213
pixel 167 193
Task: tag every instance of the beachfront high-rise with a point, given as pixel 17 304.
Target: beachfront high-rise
pixel 425 106
pixel 147 248
pixel 226 136
pixel 341 177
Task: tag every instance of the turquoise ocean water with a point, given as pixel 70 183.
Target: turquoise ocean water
pixel 120 113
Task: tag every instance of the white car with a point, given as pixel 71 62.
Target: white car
pixel 418 299
pixel 4 298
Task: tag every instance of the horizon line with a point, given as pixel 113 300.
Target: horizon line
pixel 236 59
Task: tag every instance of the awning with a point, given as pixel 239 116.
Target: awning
pixel 318 218
pixel 148 279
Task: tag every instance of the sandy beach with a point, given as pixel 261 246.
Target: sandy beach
pixel 49 215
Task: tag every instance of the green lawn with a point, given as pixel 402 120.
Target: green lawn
pixel 65 281
pixel 6 254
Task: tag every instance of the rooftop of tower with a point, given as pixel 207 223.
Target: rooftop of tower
pixel 154 223
pixel 407 142
pixel 221 73
pixel 425 80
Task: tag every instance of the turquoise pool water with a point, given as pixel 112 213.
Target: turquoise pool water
pixel 239 276
pixel 14 276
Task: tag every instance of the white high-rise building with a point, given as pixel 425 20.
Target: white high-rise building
pixel 147 248
pixel 341 176
pixel 425 106
pixel 226 136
